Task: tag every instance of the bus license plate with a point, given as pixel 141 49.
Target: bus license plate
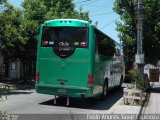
pixel 61 90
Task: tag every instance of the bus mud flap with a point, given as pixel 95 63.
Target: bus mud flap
pixel 67 100
pixel 55 97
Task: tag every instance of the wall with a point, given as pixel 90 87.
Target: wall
pixel 14 69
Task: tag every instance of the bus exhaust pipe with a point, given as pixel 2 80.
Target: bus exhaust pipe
pixel 55 99
pixel 67 101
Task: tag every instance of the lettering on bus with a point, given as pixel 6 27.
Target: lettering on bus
pixel 64 44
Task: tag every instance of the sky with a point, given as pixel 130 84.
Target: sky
pixel 99 10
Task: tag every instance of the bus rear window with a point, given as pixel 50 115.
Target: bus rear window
pixel 76 37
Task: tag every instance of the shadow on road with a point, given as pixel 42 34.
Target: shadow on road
pixel 92 103
pixel 25 87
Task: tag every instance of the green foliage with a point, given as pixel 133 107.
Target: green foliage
pixel 34 10
pixel 10 31
pixel 52 9
pixel 137 80
pixel 151 28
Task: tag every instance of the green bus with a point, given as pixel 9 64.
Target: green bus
pixel 75 59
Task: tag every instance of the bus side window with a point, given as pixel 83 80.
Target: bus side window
pixel 106 46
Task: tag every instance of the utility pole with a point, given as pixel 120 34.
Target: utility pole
pixel 139 58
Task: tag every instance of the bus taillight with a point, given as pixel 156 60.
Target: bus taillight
pixel 83 44
pixel 90 80
pixel 45 43
pixel 37 76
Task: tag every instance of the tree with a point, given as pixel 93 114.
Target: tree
pixel 52 9
pixel 127 29
pixel 10 32
pixel 19 28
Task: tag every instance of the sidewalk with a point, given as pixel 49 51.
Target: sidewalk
pixel 120 108
pixel 151 107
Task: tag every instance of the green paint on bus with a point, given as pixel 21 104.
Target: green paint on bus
pixel 76 59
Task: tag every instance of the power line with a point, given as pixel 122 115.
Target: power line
pixel 109 23
pixel 76 3
pixel 100 6
pixel 105 13
pixel 89 3
pixel 82 1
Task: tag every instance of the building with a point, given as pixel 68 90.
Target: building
pixel 14 69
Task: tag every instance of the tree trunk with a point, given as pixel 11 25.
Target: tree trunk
pixel 6 67
pixel 27 71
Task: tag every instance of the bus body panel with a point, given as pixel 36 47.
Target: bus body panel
pixel 64 76
pixel 73 70
pixel 72 91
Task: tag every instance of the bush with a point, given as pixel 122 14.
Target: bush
pixel 4 90
pixel 137 79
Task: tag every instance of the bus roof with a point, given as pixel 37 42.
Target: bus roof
pixel 75 20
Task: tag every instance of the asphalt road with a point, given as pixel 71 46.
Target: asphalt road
pixel 29 105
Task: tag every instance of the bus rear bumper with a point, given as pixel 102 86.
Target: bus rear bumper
pixel 71 91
